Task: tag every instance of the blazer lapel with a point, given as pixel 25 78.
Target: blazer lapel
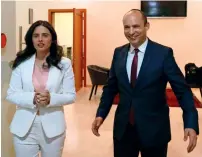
pixel 53 75
pixel 50 77
pixel 29 71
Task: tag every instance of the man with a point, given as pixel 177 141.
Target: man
pixel 139 73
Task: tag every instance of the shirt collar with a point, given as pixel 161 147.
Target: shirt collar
pixel 142 48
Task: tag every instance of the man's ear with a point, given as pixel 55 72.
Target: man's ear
pixel 147 26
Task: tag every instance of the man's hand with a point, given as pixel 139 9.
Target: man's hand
pixel 42 98
pixel 192 138
pixel 96 125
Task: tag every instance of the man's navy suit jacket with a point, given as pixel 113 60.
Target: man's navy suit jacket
pixel 148 96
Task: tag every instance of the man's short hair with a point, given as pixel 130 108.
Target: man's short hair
pixel 142 13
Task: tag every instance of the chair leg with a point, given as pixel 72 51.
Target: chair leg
pixel 91 92
pixel 96 89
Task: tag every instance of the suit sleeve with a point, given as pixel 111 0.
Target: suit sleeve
pixel 109 91
pixel 182 92
pixel 15 93
pixel 68 93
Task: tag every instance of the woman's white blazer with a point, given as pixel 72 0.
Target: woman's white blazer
pixel 61 86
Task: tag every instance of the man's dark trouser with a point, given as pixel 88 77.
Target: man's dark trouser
pixel 129 146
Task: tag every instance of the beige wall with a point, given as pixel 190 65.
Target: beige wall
pixel 105 30
pixel 8 53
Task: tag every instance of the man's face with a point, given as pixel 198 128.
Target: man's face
pixel 135 29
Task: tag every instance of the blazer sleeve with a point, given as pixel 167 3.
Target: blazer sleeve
pixel 15 93
pixel 67 94
pixel 182 92
pixel 109 91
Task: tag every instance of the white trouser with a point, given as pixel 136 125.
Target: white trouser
pixel 36 141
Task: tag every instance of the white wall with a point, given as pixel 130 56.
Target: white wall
pixel 105 30
pixel 7 54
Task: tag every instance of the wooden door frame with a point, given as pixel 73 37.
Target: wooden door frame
pixel 52 11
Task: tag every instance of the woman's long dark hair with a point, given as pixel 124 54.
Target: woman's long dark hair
pixel 56 52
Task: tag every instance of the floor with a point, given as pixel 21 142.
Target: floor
pixel 80 142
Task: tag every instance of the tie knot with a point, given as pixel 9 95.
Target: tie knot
pixel 136 51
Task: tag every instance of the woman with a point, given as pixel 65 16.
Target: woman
pixel 42 81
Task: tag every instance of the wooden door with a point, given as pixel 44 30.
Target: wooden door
pixel 79 42
pixel 77 47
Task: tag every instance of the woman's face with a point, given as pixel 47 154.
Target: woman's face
pixel 42 39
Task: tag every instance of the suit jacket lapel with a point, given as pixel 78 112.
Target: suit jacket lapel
pixel 124 55
pixel 145 64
